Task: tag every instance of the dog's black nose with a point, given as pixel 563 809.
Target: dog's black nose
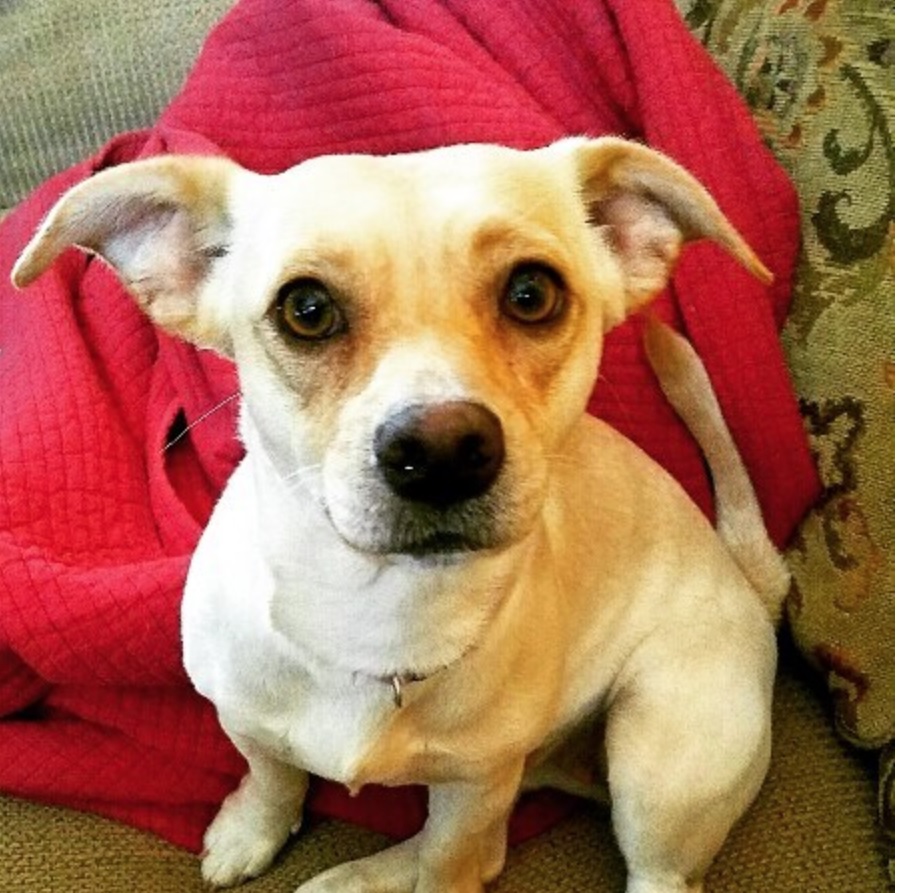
pixel 440 453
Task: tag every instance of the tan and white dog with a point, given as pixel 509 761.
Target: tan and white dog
pixel 432 566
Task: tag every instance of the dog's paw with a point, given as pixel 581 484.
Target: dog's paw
pixel 346 880
pixel 663 883
pixel 336 880
pixel 242 841
pixel 393 870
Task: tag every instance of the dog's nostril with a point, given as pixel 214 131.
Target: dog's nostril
pixel 440 454
pixel 474 451
pixel 405 454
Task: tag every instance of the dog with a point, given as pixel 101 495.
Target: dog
pixel 432 566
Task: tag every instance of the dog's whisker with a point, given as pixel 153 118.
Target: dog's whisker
pixel 300 471
pixel 296 479
pixel 181 434
pixel 609 388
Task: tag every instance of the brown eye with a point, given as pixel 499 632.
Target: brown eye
pixel 533 294
pixel 307 310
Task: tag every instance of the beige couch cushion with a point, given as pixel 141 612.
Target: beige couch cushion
pixel 73 74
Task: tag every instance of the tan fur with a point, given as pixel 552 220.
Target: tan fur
pixel 345 627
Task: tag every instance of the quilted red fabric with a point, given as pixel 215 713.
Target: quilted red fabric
pixel 98 518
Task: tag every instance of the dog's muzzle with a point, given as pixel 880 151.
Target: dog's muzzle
pixel 441 454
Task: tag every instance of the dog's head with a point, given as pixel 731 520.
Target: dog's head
pixel 415 335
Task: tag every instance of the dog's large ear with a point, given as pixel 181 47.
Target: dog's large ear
pixel 648 207
pixel 162 224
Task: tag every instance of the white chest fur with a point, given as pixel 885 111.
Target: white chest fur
pixel 323 725
pixel 295 639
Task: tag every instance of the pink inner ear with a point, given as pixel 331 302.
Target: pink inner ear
pixel 643 236
pixel 156 253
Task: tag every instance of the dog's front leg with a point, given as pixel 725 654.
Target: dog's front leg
pixel 255 820
pixel 461 847
pixel 465 840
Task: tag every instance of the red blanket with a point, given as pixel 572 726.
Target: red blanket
pixel 98 520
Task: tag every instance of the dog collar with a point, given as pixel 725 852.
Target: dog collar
pixel 398 681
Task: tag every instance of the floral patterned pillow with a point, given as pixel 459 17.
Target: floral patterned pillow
pixel 819 78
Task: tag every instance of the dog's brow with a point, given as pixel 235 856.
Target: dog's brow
pixel 321 261
pixel 504 235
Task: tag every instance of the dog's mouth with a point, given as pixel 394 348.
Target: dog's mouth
pixel 440 544
pixel 404 531
pixel 433 544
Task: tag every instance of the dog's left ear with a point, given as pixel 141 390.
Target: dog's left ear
pixel 648 207
pixel 163 224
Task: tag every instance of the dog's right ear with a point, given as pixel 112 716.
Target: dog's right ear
pixel 162 224
pixel 647 207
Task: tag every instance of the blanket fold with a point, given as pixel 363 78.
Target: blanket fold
pixel 115 439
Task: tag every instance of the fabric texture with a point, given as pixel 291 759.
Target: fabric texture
pixel 819 78
pixel 76 73
pixel 99 518
pixel 812 830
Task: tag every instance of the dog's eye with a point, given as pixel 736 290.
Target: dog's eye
pixel 533 294
pixel 307 310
